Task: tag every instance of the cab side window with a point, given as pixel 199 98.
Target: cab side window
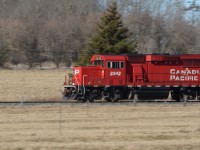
pixel 115 64
pixel 121 64
pixel 109 64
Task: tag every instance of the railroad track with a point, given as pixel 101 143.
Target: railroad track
pixel 68 102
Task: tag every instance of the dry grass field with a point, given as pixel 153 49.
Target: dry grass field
pixel 99 127
pixel 153 126
pixel 31 84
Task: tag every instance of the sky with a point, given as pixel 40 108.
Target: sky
pixel 193 14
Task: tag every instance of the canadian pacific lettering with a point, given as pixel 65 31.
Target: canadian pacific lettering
pixel 184 75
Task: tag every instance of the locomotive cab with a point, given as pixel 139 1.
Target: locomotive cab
pixel 103 79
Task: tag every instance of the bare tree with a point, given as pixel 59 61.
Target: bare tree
pixel 33 31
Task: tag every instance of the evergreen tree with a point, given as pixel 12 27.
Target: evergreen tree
pixel 111 37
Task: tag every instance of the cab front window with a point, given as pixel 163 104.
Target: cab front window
pixel 99 63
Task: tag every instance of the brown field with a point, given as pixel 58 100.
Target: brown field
pixel 98 127
pixel 157 126
pixel 28 85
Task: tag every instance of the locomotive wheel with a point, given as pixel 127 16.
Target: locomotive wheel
pixel 84 100
pixel 116 100
pixel 177 96
pixel 105 96
pixel 91 100
pixel 74 96
pixel 87 98
pixel 108 99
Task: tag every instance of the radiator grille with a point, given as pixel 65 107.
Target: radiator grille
pixel 191 63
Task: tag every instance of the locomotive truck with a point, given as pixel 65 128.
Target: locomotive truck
pixel 135 76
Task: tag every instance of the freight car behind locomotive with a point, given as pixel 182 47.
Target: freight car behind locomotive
pixel 119 77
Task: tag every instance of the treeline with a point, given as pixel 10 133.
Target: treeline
pixel 35 31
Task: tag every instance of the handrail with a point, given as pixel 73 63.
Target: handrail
pixel 77 82
pixel 84 84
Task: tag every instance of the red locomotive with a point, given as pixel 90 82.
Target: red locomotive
pixel 118 77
